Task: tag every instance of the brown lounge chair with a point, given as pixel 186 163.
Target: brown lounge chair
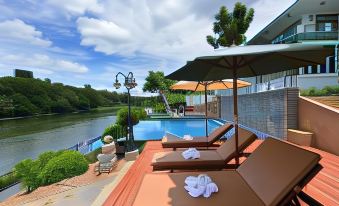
pixel 171 141
pixel 272 175
pixel 209 159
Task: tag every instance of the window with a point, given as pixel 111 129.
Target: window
pixel 327 23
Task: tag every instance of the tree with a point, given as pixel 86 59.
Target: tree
pixel 156 81
pixel 230 28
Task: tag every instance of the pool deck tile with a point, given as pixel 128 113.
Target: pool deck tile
pixel 324 187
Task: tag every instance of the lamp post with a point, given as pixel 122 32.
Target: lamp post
pixel 129 84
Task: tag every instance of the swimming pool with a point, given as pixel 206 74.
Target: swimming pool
pixel 155 129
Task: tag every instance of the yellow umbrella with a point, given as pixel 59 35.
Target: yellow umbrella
pixel 205 86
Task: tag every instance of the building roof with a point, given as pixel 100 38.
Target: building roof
pixel 291 16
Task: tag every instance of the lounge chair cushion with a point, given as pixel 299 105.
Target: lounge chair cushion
pixel 108 148
pixel 227 150
pixel 208 159
pixel 168 189
pixel 175 159
pixel 275 167
pixel 198 141
pixel 104 158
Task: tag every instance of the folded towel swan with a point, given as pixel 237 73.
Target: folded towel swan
pixel 191 153
pixel 201 185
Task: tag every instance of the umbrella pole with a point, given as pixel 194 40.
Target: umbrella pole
pixel 235 110
pixel 206 132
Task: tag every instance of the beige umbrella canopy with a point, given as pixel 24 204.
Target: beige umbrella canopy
pixel 205 86
pixel 211 85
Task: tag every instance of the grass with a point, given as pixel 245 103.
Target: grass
pixel 140 145
pixel 326 91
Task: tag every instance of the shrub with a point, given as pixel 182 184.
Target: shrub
pixel 92 156
pixel 115 130
pixel 136 115
pixel 27 171
pixel 66 165
pixel 326 91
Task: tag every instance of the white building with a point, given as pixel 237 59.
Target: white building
pixel 304 21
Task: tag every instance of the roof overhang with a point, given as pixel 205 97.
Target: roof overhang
pixel 291 16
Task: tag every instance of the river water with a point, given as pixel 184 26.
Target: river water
pixel 27 138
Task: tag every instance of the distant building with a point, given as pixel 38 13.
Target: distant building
pixel 23 73
pixel 314 21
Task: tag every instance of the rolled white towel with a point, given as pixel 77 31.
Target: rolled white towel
pixel 187 137
pixel 190 153
pixel 195 154
pixel 191 181
pixel 197 185
pixel 210 188
pixel 196 191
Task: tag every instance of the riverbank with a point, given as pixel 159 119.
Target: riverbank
pixel 84 185
pixel 98 109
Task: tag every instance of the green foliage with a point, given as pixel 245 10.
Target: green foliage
pixel 28 96
pixel 155 82
pixel 27 171
pixel 174 98
pixel 92 156
pixel 50 167
pixel 115 130
pixel 231 27
pixel 136 115
pixel 7 180
pixel 326 91
pixel 67 164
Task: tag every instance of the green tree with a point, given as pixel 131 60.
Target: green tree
pixel 156 81
pixel 27 171
pixel 230 28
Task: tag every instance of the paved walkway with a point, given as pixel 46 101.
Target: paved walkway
pixel 324 187
pixel 92 194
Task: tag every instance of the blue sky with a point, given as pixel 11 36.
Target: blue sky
pixel 79 42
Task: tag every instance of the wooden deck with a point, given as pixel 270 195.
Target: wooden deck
pixel 324 187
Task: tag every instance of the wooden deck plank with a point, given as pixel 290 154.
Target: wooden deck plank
pixel 324 187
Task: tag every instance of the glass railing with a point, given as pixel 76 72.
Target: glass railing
pixel 317 35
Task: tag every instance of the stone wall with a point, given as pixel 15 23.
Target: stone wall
pixel 270 112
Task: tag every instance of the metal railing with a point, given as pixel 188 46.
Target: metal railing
pixel 316 35
pixel 86 146
pixel 14 181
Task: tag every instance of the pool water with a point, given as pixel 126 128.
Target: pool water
pixel 156 129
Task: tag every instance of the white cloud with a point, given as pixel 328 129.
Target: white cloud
pixel 77 7
pixel 17 30
pixel 41 62
pixel 105 36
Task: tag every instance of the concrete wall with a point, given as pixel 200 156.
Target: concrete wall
pixel 318 81
pixel 271 112
pixel 323 121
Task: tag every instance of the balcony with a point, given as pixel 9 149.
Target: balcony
pixel 307 36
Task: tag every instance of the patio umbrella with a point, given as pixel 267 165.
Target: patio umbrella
pixel 248 61
pixel 207 85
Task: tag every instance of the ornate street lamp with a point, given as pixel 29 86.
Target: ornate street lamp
pixel 129 84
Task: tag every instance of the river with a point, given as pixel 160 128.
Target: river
pixel 27 138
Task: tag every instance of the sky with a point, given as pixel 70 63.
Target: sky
pixel 79 42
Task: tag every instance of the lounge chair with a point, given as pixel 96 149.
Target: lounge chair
pixel 171 141
pixel 209 159
pixel 273 174
pixel 108 160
